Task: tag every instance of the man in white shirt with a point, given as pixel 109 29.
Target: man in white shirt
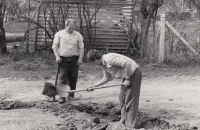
pixel 68 48
pixel 123 67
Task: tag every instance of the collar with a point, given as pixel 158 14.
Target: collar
pixel 64 32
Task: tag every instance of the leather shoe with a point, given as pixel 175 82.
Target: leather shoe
pixel 62 100
pixel 70 97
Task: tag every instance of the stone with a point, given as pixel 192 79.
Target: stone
pixel 100 127
pixel 109 105
pixel 10 106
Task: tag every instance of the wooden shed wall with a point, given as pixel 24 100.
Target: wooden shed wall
pixel 112 29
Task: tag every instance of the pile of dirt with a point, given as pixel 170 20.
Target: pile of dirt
pixel 7 105
pixel 111 112
pixel 107 111
pixel 101 115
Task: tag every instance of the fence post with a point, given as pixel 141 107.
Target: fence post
pixel 162 39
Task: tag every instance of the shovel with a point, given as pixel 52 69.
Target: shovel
pixel 58 69
pixel 80 90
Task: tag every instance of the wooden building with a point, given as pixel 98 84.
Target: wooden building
pixel 104 24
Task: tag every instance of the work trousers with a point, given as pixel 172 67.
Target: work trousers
pixel 68 75
pixel 129 99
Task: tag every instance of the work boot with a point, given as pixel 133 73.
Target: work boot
pixel 71 94
pixel 62 100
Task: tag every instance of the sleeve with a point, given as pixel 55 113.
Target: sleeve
pixel 80 41
pixel 105 79
pixel 56 41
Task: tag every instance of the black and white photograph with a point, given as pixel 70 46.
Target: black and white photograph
pixel 99 64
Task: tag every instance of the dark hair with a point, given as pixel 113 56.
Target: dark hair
pixel 94 54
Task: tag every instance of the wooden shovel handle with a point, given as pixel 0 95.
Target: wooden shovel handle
pixel 93 88
pixel 58 69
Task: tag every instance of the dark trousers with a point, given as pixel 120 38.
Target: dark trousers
pixel 68 74
pixel 129 99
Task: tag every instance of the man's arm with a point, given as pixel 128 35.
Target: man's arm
pixel 55 50
pixel 81 53
pixel 105 79
pixel 56 43
pixel 81 49
pixel 101 82
pixel 58 59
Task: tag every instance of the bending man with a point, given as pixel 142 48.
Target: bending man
pixel 123 67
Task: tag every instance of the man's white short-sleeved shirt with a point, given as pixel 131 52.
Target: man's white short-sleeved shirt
pixel 68 44
pixel 118 65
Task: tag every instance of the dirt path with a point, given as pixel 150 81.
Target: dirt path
pixel 171 96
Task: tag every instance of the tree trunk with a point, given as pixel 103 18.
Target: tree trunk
pixel 149 11
pixel 3 48
pixel 196 3
pixel 144 36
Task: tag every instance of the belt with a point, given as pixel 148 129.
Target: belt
pixel 73 58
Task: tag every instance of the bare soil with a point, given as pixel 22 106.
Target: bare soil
pixel 169 100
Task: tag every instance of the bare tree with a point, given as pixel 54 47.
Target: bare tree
pixel 149 9
pixel 11 9
pixel 197 4
pixel 88 17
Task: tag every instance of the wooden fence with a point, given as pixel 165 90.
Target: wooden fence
pixel 164 23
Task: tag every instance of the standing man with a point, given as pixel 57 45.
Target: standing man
pixel 120 66
pixel 68 48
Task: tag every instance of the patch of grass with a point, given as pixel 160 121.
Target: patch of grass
pixel 41 64
pixel 29 62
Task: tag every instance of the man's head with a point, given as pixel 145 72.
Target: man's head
pixel 95 56
pixel 70 25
